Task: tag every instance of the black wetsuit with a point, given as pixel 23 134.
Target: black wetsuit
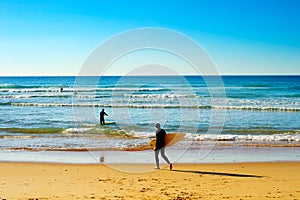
pixel 160 139
pixel 160 147
pixel 102 113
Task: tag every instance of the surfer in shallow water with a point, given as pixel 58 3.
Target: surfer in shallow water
pixel 160 146
pixel 102 114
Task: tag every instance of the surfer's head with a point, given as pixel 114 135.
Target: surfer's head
pixel 157 125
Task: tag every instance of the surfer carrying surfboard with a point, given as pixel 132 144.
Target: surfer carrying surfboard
pixel 160 146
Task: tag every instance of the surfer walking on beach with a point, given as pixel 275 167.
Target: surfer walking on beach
pixel 102 114
pixel 160 146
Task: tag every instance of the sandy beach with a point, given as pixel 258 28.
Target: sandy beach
pixel 278 180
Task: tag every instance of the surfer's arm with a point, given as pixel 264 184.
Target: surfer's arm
pixel 154 148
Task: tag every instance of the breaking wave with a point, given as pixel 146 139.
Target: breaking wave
pixel 251 108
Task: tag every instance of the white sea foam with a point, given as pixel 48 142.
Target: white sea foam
pixel 259 108
pixel 28 96
pixel 159 96
pixel 142 134
pixel 259 138
pixel 77 89
pixel 20 136
pixel 76 130
pixel 152 105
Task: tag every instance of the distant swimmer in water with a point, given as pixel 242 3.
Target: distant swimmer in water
pixel 61 89
pixel 160 146
pixel 102 114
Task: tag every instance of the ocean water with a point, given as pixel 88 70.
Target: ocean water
pixel 61 114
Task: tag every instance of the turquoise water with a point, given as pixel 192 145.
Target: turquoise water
pixel 35 115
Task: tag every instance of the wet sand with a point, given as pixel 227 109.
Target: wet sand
pixel 279 180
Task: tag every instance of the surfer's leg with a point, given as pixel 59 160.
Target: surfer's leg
pixel 163 155
pixel 156 158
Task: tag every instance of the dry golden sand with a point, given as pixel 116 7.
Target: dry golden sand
pixel 186 181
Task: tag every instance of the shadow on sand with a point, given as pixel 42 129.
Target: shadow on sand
pixel 219 173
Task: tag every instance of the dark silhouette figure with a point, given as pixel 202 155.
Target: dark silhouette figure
pixel 160 146
pixel 102 114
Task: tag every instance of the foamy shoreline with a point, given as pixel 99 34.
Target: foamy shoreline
pixel 214 154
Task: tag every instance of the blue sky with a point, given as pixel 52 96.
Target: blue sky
pixel 242 37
